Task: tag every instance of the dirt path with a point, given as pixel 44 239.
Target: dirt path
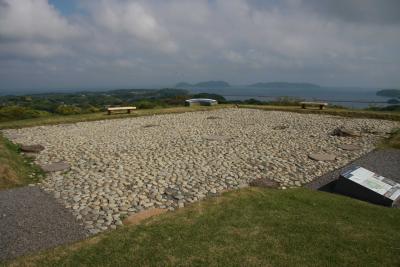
pixel 32 220
pixel 385 162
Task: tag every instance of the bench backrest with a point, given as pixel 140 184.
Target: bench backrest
pixel 120 108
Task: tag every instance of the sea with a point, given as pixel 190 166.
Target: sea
pixel 349 97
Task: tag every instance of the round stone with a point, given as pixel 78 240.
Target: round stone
pixel 216 138
pixel 264 182
pixel 151 125
pixel 55 167
pixel 213 118
pixel 349 147
pixel 346 132
pixel 32 148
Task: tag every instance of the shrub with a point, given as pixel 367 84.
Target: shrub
pixel 145 104
pixel 253 101
pixel 68 110
pixel 87 108
pixel 93 109
pixel 175 101
pixel 395 108
pixel 19 113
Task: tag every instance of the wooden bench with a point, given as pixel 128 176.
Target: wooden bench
pixel 128 109
pixel 320 104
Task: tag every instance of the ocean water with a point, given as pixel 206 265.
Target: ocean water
pixel 347 97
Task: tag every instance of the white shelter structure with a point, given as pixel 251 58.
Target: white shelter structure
pixel 201 102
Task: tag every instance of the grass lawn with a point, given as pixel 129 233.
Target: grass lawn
pixel 57 119
pixel 392 142
pixel 355 113
pixel 263 227
pixel 15 170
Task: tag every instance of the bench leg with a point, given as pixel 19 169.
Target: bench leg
pixel 129 111
pixel 321 107
pixel 303 106
pixel 109 112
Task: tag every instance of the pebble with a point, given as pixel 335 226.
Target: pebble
pixel 349 147
pixel 322 157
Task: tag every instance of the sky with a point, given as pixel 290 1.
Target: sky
pixel 88 44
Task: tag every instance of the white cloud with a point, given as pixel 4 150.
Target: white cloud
pixel 143 42
pixel 30 19
pixel 131 19
pixel 234 57
pixel 33 50
pixel 33 29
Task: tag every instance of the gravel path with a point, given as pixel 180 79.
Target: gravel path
pixel 32 220
pixel 384 162
pixel 120 167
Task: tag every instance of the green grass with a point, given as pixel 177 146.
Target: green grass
pixel 392 142
pixel 354 113
pixel 15 170
pixel 250 227
pixel 57 119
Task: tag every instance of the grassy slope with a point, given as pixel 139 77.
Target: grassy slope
pixel 15 170
pixel 393 141
pixel 332 111
pixel 57 119
pixel 266 227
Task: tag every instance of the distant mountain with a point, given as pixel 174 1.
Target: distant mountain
pixel 285 85
pixel 389 92
pixel 208 84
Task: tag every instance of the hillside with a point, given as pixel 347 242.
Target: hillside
pixel 15 170
pixel 46 104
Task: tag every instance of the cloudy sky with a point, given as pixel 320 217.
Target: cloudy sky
pixel 53 44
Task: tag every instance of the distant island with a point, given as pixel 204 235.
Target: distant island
pixel 389 93
pixel 266 85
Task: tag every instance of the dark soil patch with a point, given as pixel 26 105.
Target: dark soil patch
pixel 384 162
pixel 280 127
pixel 32 220
pixel 264 182
pixel 214 118
pixel 151 125
pixel 32 148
